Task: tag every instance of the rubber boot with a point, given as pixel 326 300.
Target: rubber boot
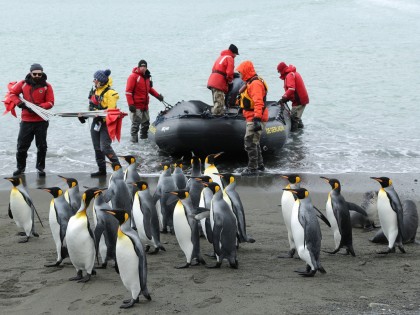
pixel 40 163
pixel 99 173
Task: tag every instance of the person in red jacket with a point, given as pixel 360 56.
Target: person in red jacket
pixel 295 91
pixel 252 101
pixel 139 86
pixel 37 90
pixel 220 80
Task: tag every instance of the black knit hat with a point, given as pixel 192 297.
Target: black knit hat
pixel 36 66
pixel 234 49
pixel 142 63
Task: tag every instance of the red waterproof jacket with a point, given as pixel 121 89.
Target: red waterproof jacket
pixel 294 87
pixel 222 71
pixel 256 91
pixel 40 94
pixel 138 89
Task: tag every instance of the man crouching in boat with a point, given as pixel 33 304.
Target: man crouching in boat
pixel 252 101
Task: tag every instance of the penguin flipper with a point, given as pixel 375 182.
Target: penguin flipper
pixel 99 229
pixel 209 232
pixel 217 231
pixel 30 203
pixel 354 207
pixel 10 212
pixel 322 217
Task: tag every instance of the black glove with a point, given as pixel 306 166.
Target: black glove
pixel 82 119
pixel 92 106
pixel 160 97
pixel 132 108
pixel 257 124
pixel 22 105
pixel 283 101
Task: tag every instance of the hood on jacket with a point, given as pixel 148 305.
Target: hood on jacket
pixel 246 68
pixel 285 70
pixel 147 74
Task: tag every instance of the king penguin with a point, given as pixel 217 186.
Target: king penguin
pixel 237 207
pixel 306 232
pixel 130 174
pixel 205 202
pixel 72 194
pixel 224 227
pixel 131 259
pixel 105 229
pixel 80 240
pixel 390 214
pixel 22 209
pixel 59 216
pixel 146 217
pixel 338 215
pixel 178 175
pixel 195 186
pixel 211 170
pixel 287 203
pixel 167 201
pixel 186 229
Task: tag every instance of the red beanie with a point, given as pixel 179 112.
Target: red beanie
pixel 281 67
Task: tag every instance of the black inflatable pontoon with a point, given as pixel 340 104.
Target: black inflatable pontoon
pixel 189 126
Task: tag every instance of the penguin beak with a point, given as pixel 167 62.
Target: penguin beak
pixel 285 176
pixel 62 177
pixel 291 190
pixel 174 193
pixel 325 178
pixel 218 154
pixel 377 179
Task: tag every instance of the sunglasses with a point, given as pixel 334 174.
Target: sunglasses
pixel 37 74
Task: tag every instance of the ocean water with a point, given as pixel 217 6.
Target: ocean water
pixel 359 59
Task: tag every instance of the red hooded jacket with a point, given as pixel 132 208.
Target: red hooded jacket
pixel 138 88
pixel 222 71
pixel 256 90
pixel 40 94
pixel 294 87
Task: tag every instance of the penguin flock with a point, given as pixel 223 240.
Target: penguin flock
pixel 202 206
pixel 398 221
pixel 126 220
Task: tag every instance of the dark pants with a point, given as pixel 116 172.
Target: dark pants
pixel 27 132
pixel 102 144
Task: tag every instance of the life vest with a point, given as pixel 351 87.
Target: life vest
pixel 246 102
pixel 96 100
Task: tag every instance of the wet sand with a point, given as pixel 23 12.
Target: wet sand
pixel 264 284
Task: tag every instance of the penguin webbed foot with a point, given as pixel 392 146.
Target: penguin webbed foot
pixel 56 264
pixel 85 278
pixel 250 240
pixel 78 276
pixel 154 252
pixel 211 255
pixel 289 254
pixel 24 240
pixel 308 272
pixel 162 248
pixel 147 248
pixel 333 252
pixel 129 303
pixel 187 265
pixel 35 234
pixel 401 248
pixel 20 234
pixel 387 251
pixel 102 266
pixel 216 266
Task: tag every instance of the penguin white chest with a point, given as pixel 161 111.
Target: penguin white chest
pixel 333 221
pixel 297 229
pixel 128 263
pixel 139 220
pixel 22 212
pixel 387 216
pixel 183 231
pixel 287 203
pixel 54 226
pixel 80 244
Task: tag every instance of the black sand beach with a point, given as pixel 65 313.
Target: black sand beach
pixel 264 284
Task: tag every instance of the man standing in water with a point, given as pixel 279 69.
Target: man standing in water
pixel 221 77
pixel 37 90
pixel 252 101
pixel 295 91
pixel 139 86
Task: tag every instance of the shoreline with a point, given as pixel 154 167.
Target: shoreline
pixel 264 284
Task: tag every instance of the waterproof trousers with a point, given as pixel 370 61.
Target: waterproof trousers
pixel 252 146
pixel 27 132
pixel 140 120
pixel 218 102
pixel 102 143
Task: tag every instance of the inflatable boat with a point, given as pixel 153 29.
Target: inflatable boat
pixel 189 126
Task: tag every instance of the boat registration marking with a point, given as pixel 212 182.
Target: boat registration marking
pixel 275 129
